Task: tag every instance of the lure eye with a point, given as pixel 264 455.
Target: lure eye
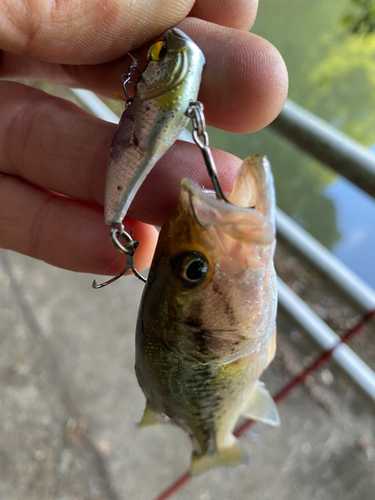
pixel 190 268
pixel 158 51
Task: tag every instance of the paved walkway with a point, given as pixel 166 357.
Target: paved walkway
pixel 69 402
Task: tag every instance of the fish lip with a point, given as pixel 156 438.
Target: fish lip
pixel 194 192
pixel 212 212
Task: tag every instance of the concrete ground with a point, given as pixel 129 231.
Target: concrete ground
pixel 69 404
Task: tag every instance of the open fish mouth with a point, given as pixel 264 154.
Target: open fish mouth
pixel 248 217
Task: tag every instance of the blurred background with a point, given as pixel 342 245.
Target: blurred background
pixel 332 74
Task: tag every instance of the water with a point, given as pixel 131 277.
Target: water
pixel 331 74
pixel 356 221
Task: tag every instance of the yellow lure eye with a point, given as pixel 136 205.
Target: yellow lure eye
pixel 158 51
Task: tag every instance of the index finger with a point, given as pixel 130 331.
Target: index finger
pixel 96 31
pixel 85 31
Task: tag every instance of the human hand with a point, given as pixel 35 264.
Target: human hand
pixel 53 155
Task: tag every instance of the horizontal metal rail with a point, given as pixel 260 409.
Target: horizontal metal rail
pixel 327 144
pixel 310 322
pixel 348 282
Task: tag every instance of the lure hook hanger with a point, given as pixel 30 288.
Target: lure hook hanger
pixel 200 137
pixel 128 249
pixel 126 78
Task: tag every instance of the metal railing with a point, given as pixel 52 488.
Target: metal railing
pixel 354 288
pixel 328 145
pixel 349 159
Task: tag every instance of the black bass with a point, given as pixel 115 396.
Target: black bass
pixel 154 120
pixel 206 325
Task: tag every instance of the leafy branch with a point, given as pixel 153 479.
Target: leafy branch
pixel 362 19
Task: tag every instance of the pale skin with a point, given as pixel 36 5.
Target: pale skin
pixel 53 155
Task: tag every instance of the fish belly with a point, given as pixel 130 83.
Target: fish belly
pixel 203 399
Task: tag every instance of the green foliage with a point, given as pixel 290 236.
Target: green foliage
pixel 332 74
pixel 344 81
pixel 361 20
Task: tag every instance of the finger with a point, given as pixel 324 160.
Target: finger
pixel 60 147
pixel 82 32
pixel 160 191
pixel 64 232
pixel 244 83
pixel 85 31
pixel 52 143
pixel 239 14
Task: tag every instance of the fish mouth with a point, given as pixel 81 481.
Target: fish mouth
pixel 242 224
pixel 253 186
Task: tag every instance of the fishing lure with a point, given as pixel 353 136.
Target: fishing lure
pixel 150 124
pixel 154 120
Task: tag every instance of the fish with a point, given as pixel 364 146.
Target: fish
pixel 206 323
pixel 154 120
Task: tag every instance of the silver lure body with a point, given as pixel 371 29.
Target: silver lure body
pixel 153 122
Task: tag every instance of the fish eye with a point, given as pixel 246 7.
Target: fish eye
pixel 157 51
pixel 190 268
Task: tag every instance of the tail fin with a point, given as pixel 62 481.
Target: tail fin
pixel 233 455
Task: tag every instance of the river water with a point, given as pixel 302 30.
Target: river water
pixel 330 74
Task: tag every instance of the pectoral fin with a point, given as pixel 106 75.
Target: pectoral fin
pixel 261 407
pixel 271 349
pixel 233 455
pixel 150 417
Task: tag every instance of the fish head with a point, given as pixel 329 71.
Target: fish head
pixel 212 282
pixel 174 65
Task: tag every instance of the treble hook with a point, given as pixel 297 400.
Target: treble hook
pixel 128 249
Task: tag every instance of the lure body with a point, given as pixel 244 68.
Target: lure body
pixel 206 325
pixel 154 120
